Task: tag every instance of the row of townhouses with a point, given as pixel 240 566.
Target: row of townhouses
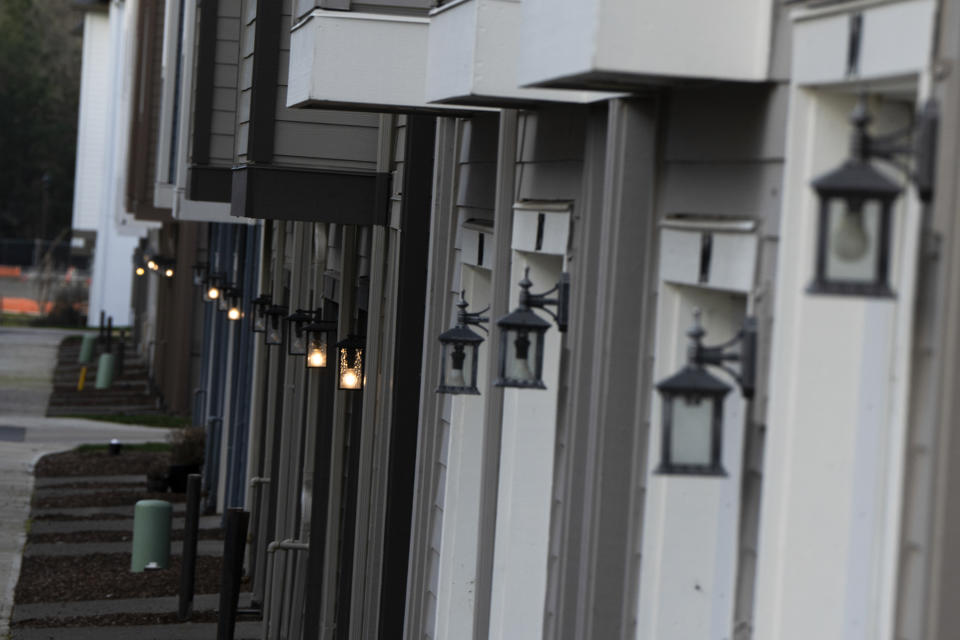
pixel 553 319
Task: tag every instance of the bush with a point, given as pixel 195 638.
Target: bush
pixel 186 446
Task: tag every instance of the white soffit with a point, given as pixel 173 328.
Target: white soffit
pixel 358 59
pixel 473 52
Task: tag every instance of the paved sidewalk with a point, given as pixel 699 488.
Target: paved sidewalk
pixel 27 359
pixel 187 631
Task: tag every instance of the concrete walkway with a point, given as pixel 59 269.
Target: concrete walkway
pixel 27 359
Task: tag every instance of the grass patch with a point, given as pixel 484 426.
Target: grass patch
pixel 144 420
pixel 149 447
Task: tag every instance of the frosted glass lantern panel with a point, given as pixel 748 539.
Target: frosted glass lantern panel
pixel 691 439
pixel 853 241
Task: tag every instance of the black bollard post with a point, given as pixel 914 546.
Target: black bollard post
pixel 101 337
pixel 121 351
pixel 234 540
pixel 188 565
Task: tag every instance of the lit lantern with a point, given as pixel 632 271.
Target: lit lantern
pixel 350 363
pixel 212 291
pixel 234 311
pixel 316 333
pixel 140 270
pixel 297 341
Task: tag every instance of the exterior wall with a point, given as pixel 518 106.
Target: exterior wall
pixel 117 232
pixel 92 125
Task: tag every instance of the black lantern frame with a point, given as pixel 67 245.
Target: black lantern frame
pixel 223 300
pixel 522 329
pixel 275 329
pixel 296 337
pixel 854 232
pixel 459 346
pixel 695 390
pixel 199 271
pixel 259 305
pixel 350 356
pixel 317 333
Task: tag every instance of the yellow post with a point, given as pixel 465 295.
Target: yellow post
pixel 83 376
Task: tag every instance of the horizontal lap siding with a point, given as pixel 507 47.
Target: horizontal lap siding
pixel 248 26
pixel 227 53
pixel 315 138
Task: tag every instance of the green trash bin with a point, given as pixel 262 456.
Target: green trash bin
pixel 105 371
pixel 151 535
pixel 86 348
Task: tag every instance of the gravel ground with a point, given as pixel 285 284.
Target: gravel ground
pixel 103 499
pixel 111 536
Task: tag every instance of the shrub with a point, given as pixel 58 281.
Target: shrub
pixel 186 446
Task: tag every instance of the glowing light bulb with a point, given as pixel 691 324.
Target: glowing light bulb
pixel 521 370
pixel 152 265
pixel 168 272
pixel 850 239
pixel 349 379
pixel 140 271
pixel 213 293
pixel 233 313
pixel 317 357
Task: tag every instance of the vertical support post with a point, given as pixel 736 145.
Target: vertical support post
pixel 233 546
pixel 188 567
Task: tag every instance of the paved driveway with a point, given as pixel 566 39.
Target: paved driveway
pixel 27 359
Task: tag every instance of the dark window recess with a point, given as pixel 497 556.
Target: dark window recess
pixel 541 218
pixel 480 249
pixel 706 253
pixel 853 48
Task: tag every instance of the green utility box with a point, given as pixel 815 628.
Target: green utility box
pixel 151 535
pixel 105 371
pixel 86 348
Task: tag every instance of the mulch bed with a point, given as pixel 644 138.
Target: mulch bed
pixel 116 620
pixel 95 516
pixel 104 576
pixel 111 536
pixel 97 463
pixel 103 499
pixel 101 576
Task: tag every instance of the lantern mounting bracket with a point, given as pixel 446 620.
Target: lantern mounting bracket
pixel 896 148
pixel 542 301
pixel 719 355
pixel 475 318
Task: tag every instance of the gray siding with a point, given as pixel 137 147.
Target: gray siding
pixel 223 122
pixel 304 138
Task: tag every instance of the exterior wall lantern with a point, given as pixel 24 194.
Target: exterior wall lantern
pixel 854 233
pixel 212 290
pixel 168 268
pixel 234 300
pixel 139 270
pixel 692 436
pixel 522 331
pixel 459 352
pixel 297 343
pixel 350 363
pixel 260 305
pixel 223 298
pixel 152 264
pixel 273 334
pixel 199 273
pixel 316 333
